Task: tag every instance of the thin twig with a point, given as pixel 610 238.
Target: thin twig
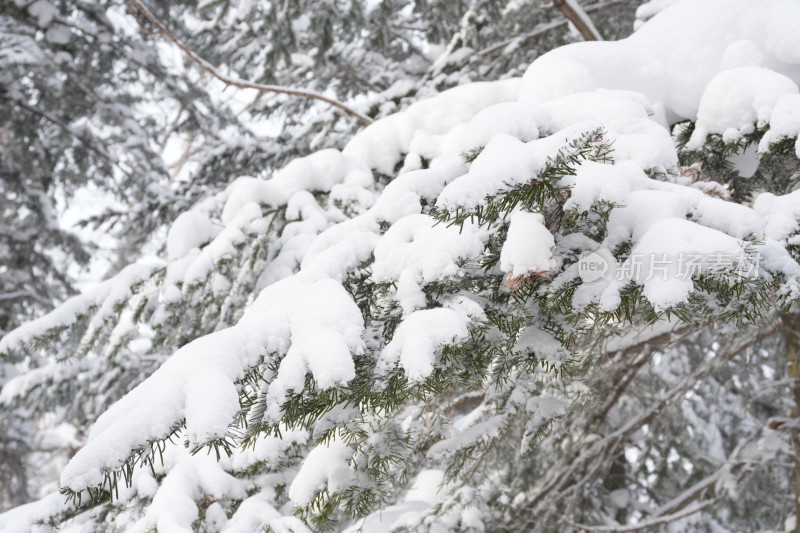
pixel 236 82
pixel 602 447
pixel 351 73
pixel 646 524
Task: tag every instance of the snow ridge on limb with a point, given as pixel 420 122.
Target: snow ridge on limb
pixel 198 382
pixel 276 324
pixel 324 258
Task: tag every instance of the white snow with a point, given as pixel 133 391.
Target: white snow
pixel 780 213
pixel 669 70
pixel 784 123
pixel 175 390
pixel 382 143
pixel 737 100
pixel 104 296
pixel 422 333
pixel 326 466
pixel 417 250
pixel 528 249
pixel 664 242
pixel 190 230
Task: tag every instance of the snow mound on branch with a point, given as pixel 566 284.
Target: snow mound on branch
pixel 417 250
pixel 528 249
pixel 197 382
pixel 518 119
pixel 325 466
pixel 669 70
pixel 174 505
pixel 505 162
pixel 27 518
pixel 780 213
pixel 737 101
pixel 665 242
pixel 381 144
pixel 785 123
pixel 190 230
pixel 321 171
pixel 422 333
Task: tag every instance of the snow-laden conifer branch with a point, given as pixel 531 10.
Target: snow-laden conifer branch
pixel 332 388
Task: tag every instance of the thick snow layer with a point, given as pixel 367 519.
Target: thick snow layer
pixel 671 239
pixel 595 182
pixel 528 249
pixel 417 250
pixel 190 230
pixel 785 123
pixel 518 119
pixel 402 196
pixel 25 518
pixel 638 127
pixel 669 70
pixel 419 336
pixel 174 506
pixel 780 213
pixel 320 171
pixel 327 465
pixel 223 245
pixel 737 101
pixel 209 366
pixel 256 512
pixel 422 333
pixel 381 144
pixel 504 162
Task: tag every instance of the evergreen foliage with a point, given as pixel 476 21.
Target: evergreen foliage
pixel 410 314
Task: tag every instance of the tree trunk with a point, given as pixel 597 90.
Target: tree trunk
pixel 791 336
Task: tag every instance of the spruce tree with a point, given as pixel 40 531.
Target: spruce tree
pixel 563 301
pixel 90 103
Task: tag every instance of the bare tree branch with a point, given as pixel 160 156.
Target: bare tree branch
pixel 542 29
pixel 578 17
pixel 646 524
pixel 236 82
pixel 351 73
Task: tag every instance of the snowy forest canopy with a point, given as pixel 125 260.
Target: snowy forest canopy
pixel 342 265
